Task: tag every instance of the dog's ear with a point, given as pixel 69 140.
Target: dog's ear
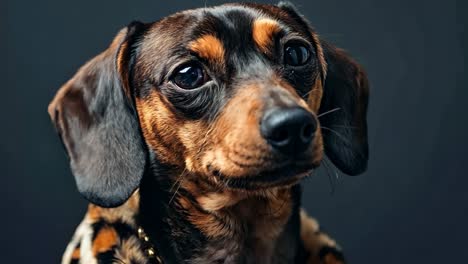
pixel 343 108
pixel 97 123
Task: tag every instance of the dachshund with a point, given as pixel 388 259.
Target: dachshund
pixel 189 137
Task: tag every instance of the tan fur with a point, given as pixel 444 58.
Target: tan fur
pixel 105 240
pixel 314 240
pixel 235 216
pixel 209 224
pixel 76 254
pixel 124 213
pixel 179 142
pixel 157 119
pixel 240 118
pixel 130 251
pixel 263 31
pixel 215 201
pixel 315 95
pixel 208 47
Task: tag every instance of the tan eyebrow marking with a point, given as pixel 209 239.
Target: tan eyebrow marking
pixel 263 31
pixel 208 47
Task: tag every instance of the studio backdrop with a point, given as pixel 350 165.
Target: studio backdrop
pixel 411 206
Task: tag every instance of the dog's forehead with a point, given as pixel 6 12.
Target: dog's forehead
pixel 233 21
pixel 238 29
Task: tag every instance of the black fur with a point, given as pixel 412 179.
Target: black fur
pixel 333 251
pixel 175 237
pixel 345 140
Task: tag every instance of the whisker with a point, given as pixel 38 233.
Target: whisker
pixel 307 94
pixel 179 183
pixel 330 179
pixel 345 126
pixel 117 260
pixel 280 208
pixel 328 112
pixel 343 138
pixel 337 134
pixel 337 175
pixel 175 193
pixel 176 181
pixel 309 175
pixel 269 209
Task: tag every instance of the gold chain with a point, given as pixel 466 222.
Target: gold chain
pixel 150 251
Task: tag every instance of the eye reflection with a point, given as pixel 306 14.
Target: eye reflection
pixel 189 76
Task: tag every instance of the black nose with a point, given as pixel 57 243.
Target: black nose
pixel 289 130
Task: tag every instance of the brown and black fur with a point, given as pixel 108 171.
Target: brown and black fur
pixel 191 166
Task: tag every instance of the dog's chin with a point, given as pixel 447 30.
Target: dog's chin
pixel 284 176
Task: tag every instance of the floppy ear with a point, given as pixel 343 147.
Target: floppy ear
pixel 343 108
pixel 98 125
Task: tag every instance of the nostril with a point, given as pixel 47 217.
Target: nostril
pixel 307 132
pixel 280 136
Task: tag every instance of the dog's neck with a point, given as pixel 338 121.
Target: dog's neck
pixel 189 221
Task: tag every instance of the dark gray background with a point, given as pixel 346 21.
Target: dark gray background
pixel 410 207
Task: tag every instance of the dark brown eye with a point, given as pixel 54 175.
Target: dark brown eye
pixel 296 54
pixel 189 76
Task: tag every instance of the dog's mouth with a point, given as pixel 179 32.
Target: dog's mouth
pixel 285 175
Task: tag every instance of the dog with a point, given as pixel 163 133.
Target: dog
pixel 190 136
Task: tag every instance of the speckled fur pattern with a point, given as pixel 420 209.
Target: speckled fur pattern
pixel 109 235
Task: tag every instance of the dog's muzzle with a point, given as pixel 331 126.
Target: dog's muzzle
pixel 289 130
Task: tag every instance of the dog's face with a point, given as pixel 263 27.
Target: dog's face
pixel 231 94
pixel 238 95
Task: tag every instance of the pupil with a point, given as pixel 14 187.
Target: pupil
pixel 296 55
pixel 189 77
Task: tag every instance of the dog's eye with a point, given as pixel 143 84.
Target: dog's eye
pixel 296 54
pixel 189 76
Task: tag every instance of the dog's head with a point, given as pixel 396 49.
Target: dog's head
pixel 247 96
